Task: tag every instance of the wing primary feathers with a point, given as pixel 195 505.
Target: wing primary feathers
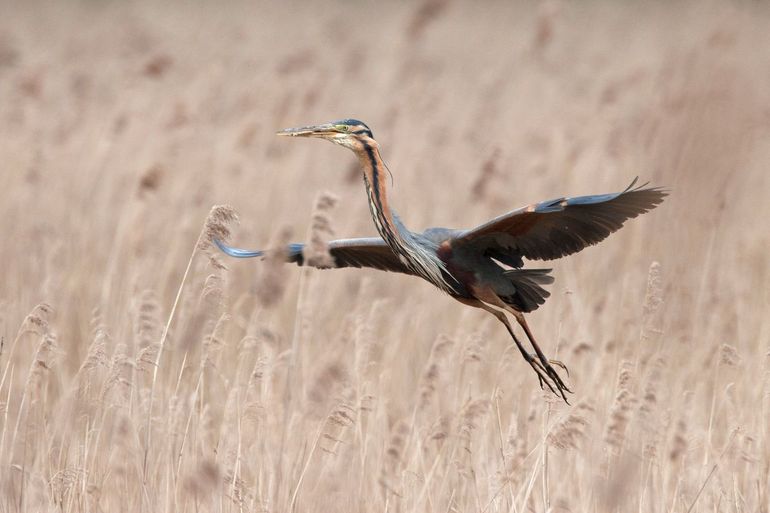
pixel 559 227
pixel 237 252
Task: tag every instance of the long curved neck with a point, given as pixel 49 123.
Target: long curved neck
pixel 375 178
pixel 411 249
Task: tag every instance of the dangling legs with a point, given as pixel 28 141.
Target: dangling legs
pixel 543 360
pixel 540 370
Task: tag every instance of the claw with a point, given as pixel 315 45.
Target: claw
pixel 560 364
pixel 547 370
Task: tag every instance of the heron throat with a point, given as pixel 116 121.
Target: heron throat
pixel 416 252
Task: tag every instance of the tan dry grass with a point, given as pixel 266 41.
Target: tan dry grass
pixel 272 389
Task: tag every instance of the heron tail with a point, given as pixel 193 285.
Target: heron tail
pixel 528 283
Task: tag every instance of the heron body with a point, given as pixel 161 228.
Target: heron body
pixel 484 266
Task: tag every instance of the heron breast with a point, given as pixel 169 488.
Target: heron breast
pixel 462 274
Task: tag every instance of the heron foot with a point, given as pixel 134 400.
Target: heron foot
pixel 544 368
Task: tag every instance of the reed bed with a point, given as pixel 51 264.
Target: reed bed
pixel 142 371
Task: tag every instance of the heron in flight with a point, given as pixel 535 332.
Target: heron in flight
pixel 482 267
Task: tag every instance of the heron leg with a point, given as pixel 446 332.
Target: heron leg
pixel 546 363
pixel 542 373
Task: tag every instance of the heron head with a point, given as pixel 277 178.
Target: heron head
pixel 346 132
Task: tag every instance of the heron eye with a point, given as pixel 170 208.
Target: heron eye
pixel 343 128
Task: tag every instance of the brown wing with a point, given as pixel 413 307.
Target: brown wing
pixel 367 252
pixel 560 227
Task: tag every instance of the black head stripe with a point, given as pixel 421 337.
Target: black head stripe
pixel 359 127
pixel 351 122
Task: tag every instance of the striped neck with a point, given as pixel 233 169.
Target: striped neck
pixel 374 178
pixel 412 249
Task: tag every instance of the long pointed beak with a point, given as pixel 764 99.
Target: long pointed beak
pixel 325 130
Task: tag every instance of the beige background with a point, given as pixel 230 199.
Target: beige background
pixel 122 123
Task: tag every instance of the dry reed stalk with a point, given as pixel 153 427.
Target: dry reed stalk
pixel 37 322
pixel 217 226
pixel 366 343
pixel 42 363
pixel 652 329
pixel 432 374
pixel 259 388
pixel 439 431
pixel 474 350
pixel 728 357
pixel 679 103
pixel 471 415
pixel 229 440
pixel 271 280
pixel 148 329
pixel 316 251
pixel 568 432
pixel 214 342
pixel 120 380
pixel 514 452
pixel 64 482
pixel 96 359
pixel 213 294
pixel 724 451
pixel 33 394
pixel 648 409
pixel 393 459
pixel 240 493
pixel 305 467
pixel 622 406
pixel 653 297
pixel 342 417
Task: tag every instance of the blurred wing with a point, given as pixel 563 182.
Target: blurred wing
pixel 560 227
pixel 369 252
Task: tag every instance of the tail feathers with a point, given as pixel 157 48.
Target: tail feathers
pixel 528 283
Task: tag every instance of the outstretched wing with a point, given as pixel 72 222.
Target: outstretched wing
pixel 560 227
pixel 368 252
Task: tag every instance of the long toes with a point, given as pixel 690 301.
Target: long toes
pixel 550 371
pixel 542 375
pixel 555 385
pixel 557 379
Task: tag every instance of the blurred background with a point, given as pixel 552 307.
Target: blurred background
pixel 123 123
